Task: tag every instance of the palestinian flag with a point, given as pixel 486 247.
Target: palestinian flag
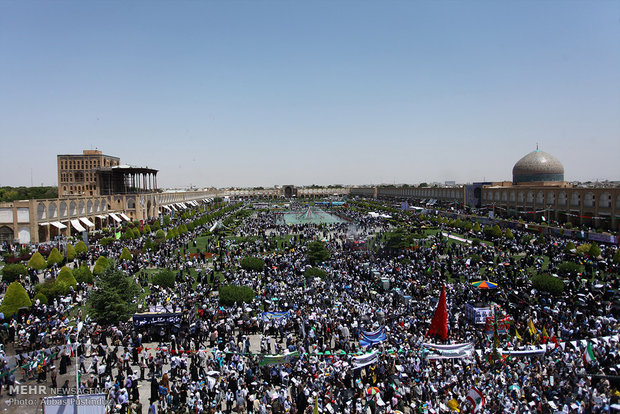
pixel 588 355
pixel 475 397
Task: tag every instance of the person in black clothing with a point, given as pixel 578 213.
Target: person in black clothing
pixel 154 390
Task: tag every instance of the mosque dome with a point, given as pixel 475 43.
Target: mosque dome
pixel 537 166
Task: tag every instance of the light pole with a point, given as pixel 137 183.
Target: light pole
pixel 80 325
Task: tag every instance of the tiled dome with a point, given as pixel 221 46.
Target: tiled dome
pixel 537 166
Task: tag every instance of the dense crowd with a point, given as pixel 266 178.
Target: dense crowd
pixel 309 327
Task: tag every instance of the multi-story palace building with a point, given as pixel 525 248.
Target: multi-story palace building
pixel 94 191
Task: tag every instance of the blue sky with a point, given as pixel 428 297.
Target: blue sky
pixel 259 93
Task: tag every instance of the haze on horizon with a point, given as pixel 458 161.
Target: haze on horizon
pixel 266 93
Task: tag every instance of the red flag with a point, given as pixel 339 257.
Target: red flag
pixel 439 325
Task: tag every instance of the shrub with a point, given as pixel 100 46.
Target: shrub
pixel 148 244
pixel 42 298
pixel 126 255
pixel 584 249
pixel 546 283
pixel 80 248
pixel 569 269
pixel 171 234
pixel 70 253
pixel 570 246
pixel 476 242
pixel 37 262
pixel 252 263
pixel 51 289
pixel 65 276
pixel 493 232
pixel 12 272
pixel 83 274
pixel 105 241
pixel 595 251
pixel 475 259
pixel 315 272
pixel 231 294
pixel 164 278
pixel 15 298
pixel 101 265
pixel 54 258
pixel 160 235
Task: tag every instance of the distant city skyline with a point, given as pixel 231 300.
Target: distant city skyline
pixel 247 94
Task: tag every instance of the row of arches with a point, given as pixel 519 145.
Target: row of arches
pixel 564 198
pixel 62 209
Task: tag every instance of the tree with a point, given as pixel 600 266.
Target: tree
pixel 164 278
pixel 80 248
pixel 54 258
pixel 317 252
pixel 65 276
pixel 156 226
pixel 83 274
pixel 508 234
pixel 114 298
pixel 37 262
pixel 15 298
pixel 146 229
pixel 570 246
pixel 477 228
pixel 252 264
pixel 182 229
pixel 423 185
pixel 12 272
pixel 166 220
pixel 101 265
pixel 125 254
pixel 70 253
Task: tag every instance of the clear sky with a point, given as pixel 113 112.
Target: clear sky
pixel 258 93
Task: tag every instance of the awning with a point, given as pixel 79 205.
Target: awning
pixel 173 207
pixel 102 217
pixel 87 222
pixel 76 225
pixel 195 203
pixel 180 206
pixel 184 205
pixel 58 225
pixel 167 208
pixel 44 224
pixel 115 217
pixel 124 216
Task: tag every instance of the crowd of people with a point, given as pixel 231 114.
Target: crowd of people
pixel 296 348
